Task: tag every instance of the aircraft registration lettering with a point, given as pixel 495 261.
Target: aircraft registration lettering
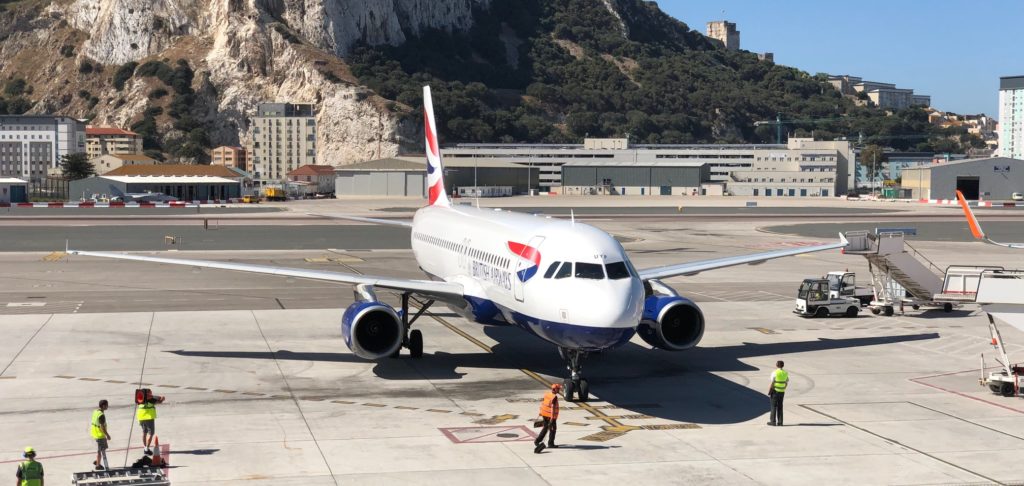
pixel 492 274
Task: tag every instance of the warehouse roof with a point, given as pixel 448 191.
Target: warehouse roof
pixel 998 160
pixel 619 163
pixel 169 179
pixel 419 163
pixel 170 170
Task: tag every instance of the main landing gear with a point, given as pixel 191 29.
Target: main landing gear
pixel 575 384
pixel 413 339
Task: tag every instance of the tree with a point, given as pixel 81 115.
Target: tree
pixel 872 158
pixel 76 166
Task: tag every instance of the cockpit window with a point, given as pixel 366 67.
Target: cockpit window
pixel 589 270
pixel 617 270
pixel 565 271
pixel 551 270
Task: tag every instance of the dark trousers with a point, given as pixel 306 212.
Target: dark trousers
pixel 549 424
pixel 777 407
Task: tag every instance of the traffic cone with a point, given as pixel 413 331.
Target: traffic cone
pixel 158 460
pixel 994 342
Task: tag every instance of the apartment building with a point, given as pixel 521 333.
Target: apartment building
pixel 283 139
pixel 230 157
pixel 1011 117
pixel 111 141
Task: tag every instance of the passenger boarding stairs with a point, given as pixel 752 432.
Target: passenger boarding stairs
pixel 901 274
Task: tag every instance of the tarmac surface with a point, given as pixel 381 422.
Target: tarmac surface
pixel 261 389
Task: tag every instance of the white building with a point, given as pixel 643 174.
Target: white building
pixel 283 139
pixel 1011 117
pixel 31 144
pixel 722 160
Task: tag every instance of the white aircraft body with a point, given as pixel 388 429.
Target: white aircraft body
pixel 975 226
pixel 568 283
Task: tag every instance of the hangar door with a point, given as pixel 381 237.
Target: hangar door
pixel 969 186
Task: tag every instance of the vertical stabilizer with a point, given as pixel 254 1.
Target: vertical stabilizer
pixel 435 170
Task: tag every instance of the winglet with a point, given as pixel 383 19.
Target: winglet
pixel 435 170
pixel 972 222
pixel 843 240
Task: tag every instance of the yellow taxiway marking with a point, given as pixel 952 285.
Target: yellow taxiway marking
pixel 55 256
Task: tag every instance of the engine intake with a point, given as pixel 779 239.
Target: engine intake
pixel 372 330
pixel 671 323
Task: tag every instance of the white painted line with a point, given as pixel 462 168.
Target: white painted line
pixel 26 304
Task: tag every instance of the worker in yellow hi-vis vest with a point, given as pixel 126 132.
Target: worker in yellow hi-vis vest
pixel 147 420
pixel 98 431
pixel 780 379
pixel 30 472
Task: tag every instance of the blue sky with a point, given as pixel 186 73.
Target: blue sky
pixel 954 51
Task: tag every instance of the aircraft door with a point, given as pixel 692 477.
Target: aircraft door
pixel 526 267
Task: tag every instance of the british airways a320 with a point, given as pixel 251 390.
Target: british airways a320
pixel 570 284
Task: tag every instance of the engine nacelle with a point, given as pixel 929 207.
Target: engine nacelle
pixel 671 322
pixel 372 330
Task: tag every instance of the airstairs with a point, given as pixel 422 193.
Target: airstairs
pixel 901 275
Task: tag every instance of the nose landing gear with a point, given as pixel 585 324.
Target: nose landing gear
pixel 575 384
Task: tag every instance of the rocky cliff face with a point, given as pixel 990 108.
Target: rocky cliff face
pixel 242 51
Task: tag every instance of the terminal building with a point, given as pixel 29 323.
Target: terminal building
pixel 30 145
pixel 739 168
pixel 184 182
pixel 407 176
pixel 992 178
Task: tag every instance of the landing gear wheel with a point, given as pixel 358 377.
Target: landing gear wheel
pixel 416 344
pixel 947 307
pixel 915 307
pixel 852 311
pixel 569 388
pixel 889 311
pixel 821 312
pixel 584 391
pixel 876 310
pixel 1006 390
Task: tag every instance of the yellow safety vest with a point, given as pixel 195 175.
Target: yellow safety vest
pixel 31 473
pixel 96 429
pixel 147 411
pixel 780 378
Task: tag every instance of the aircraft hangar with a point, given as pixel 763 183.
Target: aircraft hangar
pixel 991 178
pixel 407 176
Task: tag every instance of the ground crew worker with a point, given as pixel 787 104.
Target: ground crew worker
pixel 147 419
pixel 98 430
pixel 30 472
pixel 780 379
pixel 549 412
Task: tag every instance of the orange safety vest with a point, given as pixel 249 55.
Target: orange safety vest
pixel 549 407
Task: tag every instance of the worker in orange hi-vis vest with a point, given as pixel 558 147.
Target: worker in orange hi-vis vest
pixel 548 412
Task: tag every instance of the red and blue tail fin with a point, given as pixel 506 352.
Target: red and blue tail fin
pixel 435 170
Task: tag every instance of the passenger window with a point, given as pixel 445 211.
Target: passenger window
pixel 617 270
pixel 551 270
pixel 593 271
pixel 565 271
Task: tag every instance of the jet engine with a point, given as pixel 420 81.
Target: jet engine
pixel 671 322
pixel 372 330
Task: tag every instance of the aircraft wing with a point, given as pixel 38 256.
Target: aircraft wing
pixel 693 268
pixel 975 226
pixel 422 287
pixel 389 222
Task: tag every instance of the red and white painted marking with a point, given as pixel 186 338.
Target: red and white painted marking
pixel 175 204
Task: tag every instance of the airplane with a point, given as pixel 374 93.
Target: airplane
pixel 568 283
pixel 976 230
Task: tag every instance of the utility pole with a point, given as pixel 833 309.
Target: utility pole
pixel 874 161
pixel 778 128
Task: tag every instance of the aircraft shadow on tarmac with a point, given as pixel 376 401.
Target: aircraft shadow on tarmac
pixel 679 386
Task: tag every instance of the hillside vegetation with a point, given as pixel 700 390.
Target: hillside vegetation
pixel 557 71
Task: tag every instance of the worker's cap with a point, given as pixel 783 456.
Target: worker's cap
pixel 29 451
pixel 556 387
